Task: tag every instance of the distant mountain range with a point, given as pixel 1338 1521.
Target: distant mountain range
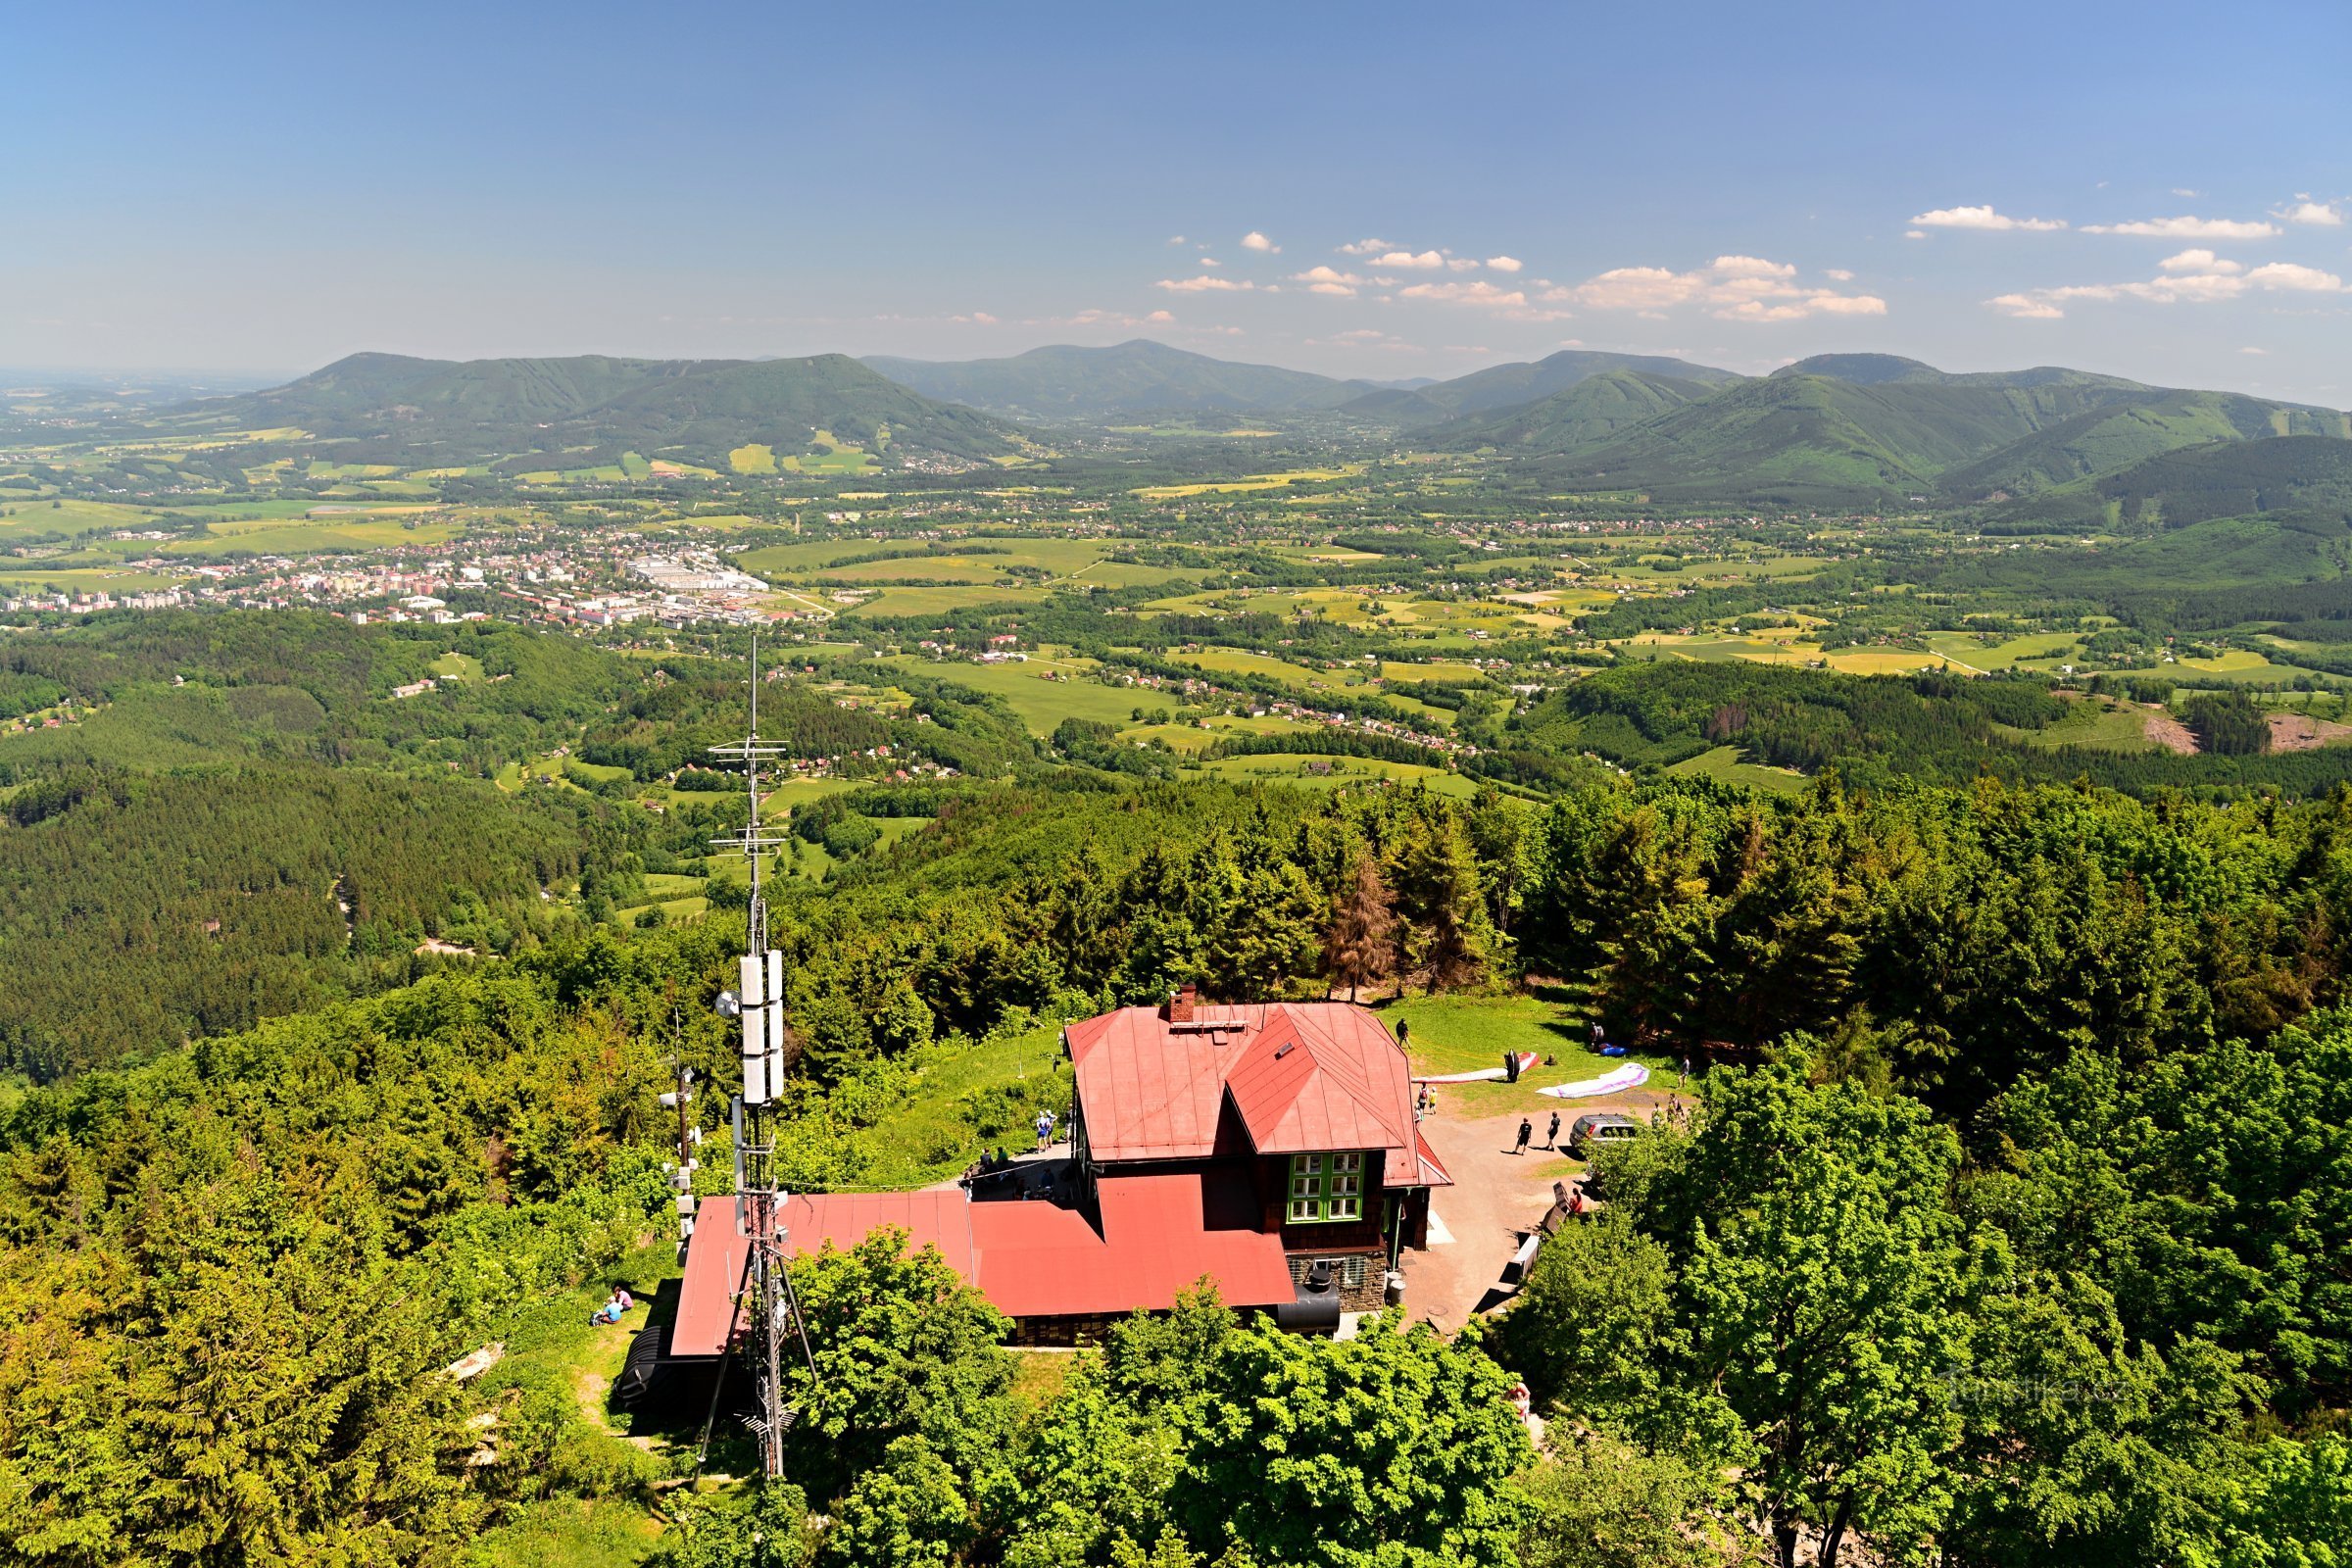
pixel 1126 380
pixel 1844 428
pixel 1142 377
pixel 1838 429
pixel 699 408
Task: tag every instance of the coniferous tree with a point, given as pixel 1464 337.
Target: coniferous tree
pixel 1360 946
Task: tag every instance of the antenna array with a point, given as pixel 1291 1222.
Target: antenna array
pixel 765 1301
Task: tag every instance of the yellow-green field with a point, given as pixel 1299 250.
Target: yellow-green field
pixel 1727 763
pixel 1035 691
pixel 1297 767
pixel 1249 482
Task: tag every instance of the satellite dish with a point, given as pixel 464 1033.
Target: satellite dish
pixel 729 1004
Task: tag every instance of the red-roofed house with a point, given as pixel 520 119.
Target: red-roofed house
pixel 1245 1144
pixel 1307 1107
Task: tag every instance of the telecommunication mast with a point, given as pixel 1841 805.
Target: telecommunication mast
pixel 765 1298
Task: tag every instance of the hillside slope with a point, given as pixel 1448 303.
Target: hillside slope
pixel 1067 383
pixel 698 409
pixel 1592 412
pixel 1886 429
pixel 1505 386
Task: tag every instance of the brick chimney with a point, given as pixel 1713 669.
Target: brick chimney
pixel 1181 1002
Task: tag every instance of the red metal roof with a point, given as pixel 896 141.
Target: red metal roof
pixel 1033 1259
pixel 1042 1260
pixel 707 1316
pixel 1302 1076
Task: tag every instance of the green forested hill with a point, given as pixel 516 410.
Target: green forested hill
pixel 1587 415
pixel 701 408
pixel 138 911
pixel 2113 437
pixel 1063 381
pixel 1800 439
pixel 1502 387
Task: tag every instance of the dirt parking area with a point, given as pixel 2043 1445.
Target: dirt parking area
pixel 1498 1194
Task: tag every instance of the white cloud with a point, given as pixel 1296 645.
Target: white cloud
pixel 1461 264
pixel 1750 267
pixel 1160 317
pixel 2253 351
pixel 976 319
pixel 1504 264
pixel 1211 260
pixel 1915 233
pixel 2301 280
pixel 1509 303
pixel 1734 288
pixel 2182 190
pixel 2026 307
pixel 1175 239
pixel 1368 247
pixel 1426 262
pixel 1329 281
pixel 1203 285
pixel 2321 215
pixel 2198 260
pixel 2186 229
pixel 1838 274
pixel 1982 217
pixel 2206 288
pixel 1479 292
pixel 1255 241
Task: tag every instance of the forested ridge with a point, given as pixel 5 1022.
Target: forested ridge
pixel 2008 1229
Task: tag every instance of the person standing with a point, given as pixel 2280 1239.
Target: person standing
pixel 1552 1135
pixel 1527 1130
pixel 1683 1081
pixel 1045 1131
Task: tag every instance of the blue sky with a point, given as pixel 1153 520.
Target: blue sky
pixel 2158 190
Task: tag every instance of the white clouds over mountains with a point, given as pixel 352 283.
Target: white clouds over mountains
pixel 1731 288
pixel 2192 278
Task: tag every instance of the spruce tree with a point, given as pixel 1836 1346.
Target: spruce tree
pixel 1359 946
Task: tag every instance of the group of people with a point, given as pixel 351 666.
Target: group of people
pixel 1527 1132
pixel 618 1302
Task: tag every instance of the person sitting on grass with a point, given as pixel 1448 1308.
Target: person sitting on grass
pixel 615 1306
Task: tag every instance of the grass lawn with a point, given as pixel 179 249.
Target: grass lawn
pixel 458 667
pixel 1726 762
pixel 609 1532
pixel 1041 701
pixel 2092 722
pixel 1463 1034
pixel 1291 767
pixel 964 1101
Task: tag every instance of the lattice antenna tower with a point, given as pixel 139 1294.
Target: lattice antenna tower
pixel 765 1296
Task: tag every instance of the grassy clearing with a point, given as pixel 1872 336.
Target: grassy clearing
pixel 1727 763
pixel 454 665
pixel 897 601
pixel 1467 1034
pixel 2092 722
pixel 1293 767
pixel 962 1100
pixel 1042 700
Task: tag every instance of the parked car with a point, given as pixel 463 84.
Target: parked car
pixel 1600 1128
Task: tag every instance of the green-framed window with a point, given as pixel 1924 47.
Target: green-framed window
pixel 1325 1188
